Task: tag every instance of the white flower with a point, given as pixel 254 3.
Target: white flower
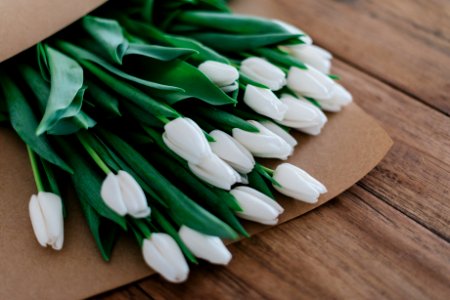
pixel 163 255
pixel 339 97
pixel 297 184
pixel 222 75
pixel 264 143
pixel 262 71
pixel 232 152
pixel 312 55
pixel 184 137
pixel 256 206
pixel 280 132
pixel 216 172
pixel 46 214
pixel 264 102
pixel 302 115
pixel 294 30
pixel 310 83
pixel 124 195
pixel 207 247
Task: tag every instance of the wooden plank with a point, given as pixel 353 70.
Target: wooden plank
pixel 405 43
pixel 415 175
pixel 125 293
pixel 355 247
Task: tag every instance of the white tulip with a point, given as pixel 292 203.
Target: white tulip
pixel 256 206
pixel 216 172
pixel 280 132
pixel 46 214
pixel 297 184
pixel 339 97
pixel 163 255
pixel 222 75
pixel 310 83
pixel 262 71
pixel 312 55
pixel 302 115
pixel 184 137
pixel 294 30
pixel 207 247
pixel 264 143
pixel 232 152
pixel 264 102
pixel 124 195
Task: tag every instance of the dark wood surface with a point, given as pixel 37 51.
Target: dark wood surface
pixel 388 236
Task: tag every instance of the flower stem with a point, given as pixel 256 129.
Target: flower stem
pixel 100 163
pixel 163 119
pixel 35 168
pixel 266 169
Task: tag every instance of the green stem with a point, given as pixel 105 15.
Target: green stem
pixel 100 163
pixel 163 119
pixel 35 168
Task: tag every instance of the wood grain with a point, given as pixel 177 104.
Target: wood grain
pixel 356 247
pixel 404 43
pixel 388 236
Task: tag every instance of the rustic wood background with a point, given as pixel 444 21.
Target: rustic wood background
pixel 388 236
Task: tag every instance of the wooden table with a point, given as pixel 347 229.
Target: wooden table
pixel 388 236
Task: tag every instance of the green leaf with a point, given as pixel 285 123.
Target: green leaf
pixel 257 182
pixel 110 36
pixel 88 183
pixel 103 100
pixel 83 56
pixel 25 123
pixel 223 119
pixel 237 43
pixel 41 90
pixel 149 32
pixel 181 208
pixel 66 89
pixel 232 23
pixel 280 58
pixel 182 74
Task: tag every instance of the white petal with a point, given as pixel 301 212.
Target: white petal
pixel 219 73
pixel 310 83
pixel 185 138
pixel 260 196
pixel 207 247
pixel 133 195
pixel 158 262
pixel 280 132
pixel 232 152
pixel 264 102
pixel 262 71
pixel 292 29
pixel 112 195
pixel 51 208
pixel 215 171
pixel 167 246
pixel 37 221
pixel 312 55
pixel 230 88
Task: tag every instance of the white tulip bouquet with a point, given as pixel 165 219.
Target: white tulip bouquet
pixel 156 111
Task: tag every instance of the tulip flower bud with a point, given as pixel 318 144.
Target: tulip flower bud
pixel 184 137
pixel 207 247
pixel 294 30
pixel 232 152
pixel 216 172
pixel 311 55
pixel 339 98
pixel 310 83
pixel 302 115
pixel 264 143
pixel 264 102
pixel 124 195
pixel 262 71
pixel 280 132
pixel 46 214
pixel 222 75
pixel 297 184
pixel 256 206
pixel 163 255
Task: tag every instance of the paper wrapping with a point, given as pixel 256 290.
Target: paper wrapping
pixel 351 144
